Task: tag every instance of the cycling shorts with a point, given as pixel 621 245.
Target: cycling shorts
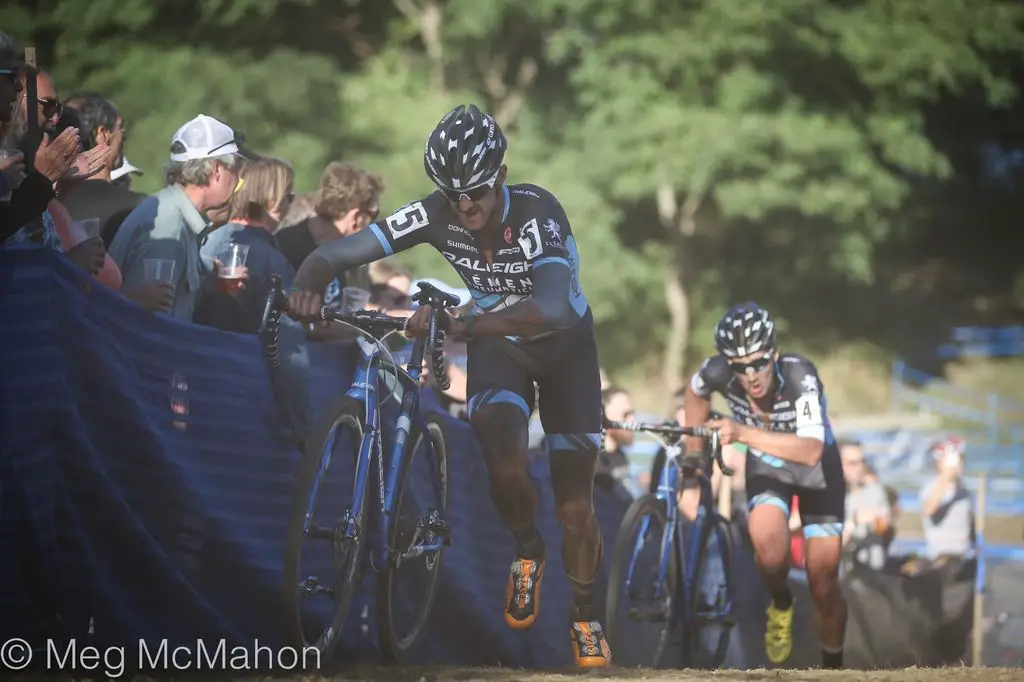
pixel 564 367
pixel 821 511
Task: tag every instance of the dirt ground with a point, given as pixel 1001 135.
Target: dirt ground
pixel 414 674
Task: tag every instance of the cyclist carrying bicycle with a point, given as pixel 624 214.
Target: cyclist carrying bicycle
pixel 514 249
pixel 780 413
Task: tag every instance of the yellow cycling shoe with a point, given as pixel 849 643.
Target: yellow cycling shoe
pixel 778 635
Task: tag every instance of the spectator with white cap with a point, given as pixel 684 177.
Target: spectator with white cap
pixel 122 175
pixel 203 173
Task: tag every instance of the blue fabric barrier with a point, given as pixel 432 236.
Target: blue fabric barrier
pixel 144 487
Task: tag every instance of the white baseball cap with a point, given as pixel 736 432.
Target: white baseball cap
pixel 203 137
pixel 124 169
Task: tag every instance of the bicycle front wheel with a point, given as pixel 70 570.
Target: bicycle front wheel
pixel 642 586
pixel 710 622
pixel 417 537
pixel 335 530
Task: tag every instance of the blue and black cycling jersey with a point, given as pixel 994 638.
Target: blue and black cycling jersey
pixel 537 258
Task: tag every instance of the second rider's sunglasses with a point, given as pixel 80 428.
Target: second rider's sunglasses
pixel 757 365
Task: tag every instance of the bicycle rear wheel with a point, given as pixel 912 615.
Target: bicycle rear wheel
pixel 336 437
pixel 405 591
pixel 709 626
pixel 646 600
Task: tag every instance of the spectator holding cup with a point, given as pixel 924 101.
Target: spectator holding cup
pixel 246 245
pixel 203 173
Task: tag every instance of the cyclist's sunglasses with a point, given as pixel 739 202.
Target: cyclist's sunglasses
pixel 757 365
pixel 474 194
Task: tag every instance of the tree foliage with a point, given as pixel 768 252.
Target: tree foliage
pixel 785 150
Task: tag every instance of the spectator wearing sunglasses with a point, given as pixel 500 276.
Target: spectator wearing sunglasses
pixel 347 201
pixel 23 216
pixel 254 213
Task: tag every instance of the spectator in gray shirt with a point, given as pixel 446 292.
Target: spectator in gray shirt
pixel 947 510
pixel 867 504
pixel 172 225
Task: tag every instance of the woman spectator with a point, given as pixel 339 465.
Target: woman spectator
pixel 255 213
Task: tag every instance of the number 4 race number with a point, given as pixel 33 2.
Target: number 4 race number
pixel 808 410
pixel 407 219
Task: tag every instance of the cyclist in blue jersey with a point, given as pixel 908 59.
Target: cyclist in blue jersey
pixel 514 249
pixel 780 413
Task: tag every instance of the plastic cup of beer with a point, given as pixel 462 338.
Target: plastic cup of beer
pixel 159 270
pixel 353 299
pixel 89 228
pixel 231 276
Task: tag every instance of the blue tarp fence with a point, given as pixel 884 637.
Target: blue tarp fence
pixel 145 491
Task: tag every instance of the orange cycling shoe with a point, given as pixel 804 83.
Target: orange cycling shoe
pixel 589 645
pixel 523 593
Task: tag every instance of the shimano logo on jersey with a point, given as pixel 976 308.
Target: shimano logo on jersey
pixel 459 245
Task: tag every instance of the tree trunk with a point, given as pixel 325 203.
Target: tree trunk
pixel 428 16
pixel 681 224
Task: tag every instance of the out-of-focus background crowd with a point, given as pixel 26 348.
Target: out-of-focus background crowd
pixel 854 167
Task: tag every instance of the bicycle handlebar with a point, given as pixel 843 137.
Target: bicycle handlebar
pixel 676 431
pixel 428 295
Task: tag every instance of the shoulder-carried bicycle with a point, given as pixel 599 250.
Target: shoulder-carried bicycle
pixel 662 584
pixel 389 519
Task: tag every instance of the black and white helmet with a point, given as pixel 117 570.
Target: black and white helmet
pixel 465 150
pixel 747 328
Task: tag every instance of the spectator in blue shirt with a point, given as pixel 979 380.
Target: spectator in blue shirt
pixel 255 212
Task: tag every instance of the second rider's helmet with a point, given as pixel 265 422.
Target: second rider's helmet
pixel 746 328
pixel 465 150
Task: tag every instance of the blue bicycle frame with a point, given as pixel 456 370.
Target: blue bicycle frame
pixel 366 387
pixel 673 533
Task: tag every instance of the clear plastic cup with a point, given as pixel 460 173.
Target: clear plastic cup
pixel 88 228
pixel 353 299
pixel 159 270
pixel 230 276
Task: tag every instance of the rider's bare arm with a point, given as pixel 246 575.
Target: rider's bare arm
pixel 698 411
pixel 547 310
pixel 791 447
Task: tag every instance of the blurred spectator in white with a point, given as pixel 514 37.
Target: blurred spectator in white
pixel 168 228
pixel 612 472
pixel 255 211
pixel 947 509
pixel 122 175
pixel 98 197
pixel 347 200
pixel 867 504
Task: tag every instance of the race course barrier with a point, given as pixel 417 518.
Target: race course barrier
pixel 145 490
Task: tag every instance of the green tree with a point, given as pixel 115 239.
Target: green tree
pixel 757 109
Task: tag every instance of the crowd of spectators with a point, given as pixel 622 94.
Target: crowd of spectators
pixel 203 248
